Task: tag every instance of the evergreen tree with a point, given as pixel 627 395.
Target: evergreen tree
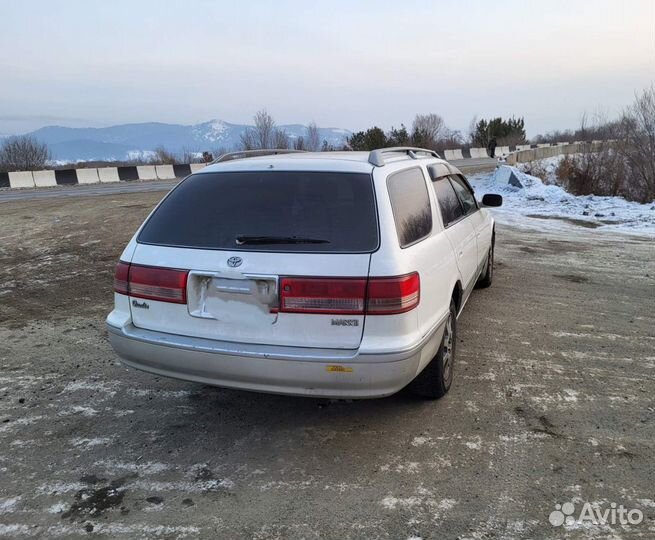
pixel 510 131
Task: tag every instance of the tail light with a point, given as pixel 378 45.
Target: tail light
pixel 152 283
pixel 322 295
pixel 387 296
pixel 120 277
pixel 350 296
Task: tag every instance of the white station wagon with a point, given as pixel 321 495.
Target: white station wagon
pixel 336 274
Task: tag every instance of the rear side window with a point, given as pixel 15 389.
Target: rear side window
pixel 465 195
pixel 268 211
pixel 451 208
pixel 411 206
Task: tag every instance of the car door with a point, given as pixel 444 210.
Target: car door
pixel 459 230
pixel 474 216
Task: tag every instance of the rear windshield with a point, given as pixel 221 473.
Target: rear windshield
pixel 260 211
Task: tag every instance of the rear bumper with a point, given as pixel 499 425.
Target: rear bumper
pixel 280 370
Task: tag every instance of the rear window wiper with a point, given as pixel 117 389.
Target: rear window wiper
pixel 242 240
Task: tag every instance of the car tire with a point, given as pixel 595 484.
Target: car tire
pixel 487 277
pixel 436 378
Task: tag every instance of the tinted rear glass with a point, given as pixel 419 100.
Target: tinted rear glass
pixel 212 210
pixel 411 205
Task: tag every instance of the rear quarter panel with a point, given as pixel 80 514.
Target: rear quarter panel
pixel 432 258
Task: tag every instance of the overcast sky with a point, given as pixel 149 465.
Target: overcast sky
pixel 347 64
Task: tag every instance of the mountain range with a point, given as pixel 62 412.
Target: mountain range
pixel 132 141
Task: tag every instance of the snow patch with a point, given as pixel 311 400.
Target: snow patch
pixel 141 156
pixel 89 443
pixel 475 444
pixel 212 131
pixel 142 468
pixel 58 508
pixel 92 386
pixel 522 206
pixel 78 409
pixel 420 441
pixel 8 505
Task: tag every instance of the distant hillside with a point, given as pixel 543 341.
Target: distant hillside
pixel 122 141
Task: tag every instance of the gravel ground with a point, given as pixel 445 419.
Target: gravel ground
pixel 553 401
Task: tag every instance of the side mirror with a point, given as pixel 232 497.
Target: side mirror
pixel 491 199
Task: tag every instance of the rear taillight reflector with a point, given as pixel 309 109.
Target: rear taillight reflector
pixel 322 295
pixel 387 296
pixel 349 296
pixel 152 283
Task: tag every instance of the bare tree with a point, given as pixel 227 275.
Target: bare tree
pixel 263 134
pixel 299 143
pixel 280 139
pixel 163 157
pixel 637 141
pixel 623 164
pixel 217 152
pixel 313 142
pixel 472 129
pixel 188 155
pixel 248 139
pixel 428 128
pixel 23 154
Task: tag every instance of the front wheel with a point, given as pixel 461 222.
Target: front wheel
pixel 435 380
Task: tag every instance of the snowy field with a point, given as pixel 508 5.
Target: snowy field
pixel 549 206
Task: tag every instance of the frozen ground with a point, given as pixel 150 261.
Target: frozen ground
pixel 553 402
pixel 536 200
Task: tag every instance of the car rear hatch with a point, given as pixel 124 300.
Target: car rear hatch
pixel 266 257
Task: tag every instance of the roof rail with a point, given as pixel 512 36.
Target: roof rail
pixel 242 154
pixel 376 157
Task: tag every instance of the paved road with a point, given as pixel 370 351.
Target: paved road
pixel 466 165
pixel 552 402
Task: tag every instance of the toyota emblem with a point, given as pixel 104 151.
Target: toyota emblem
pixel 233 262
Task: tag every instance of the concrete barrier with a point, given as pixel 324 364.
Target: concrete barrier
pixel 108 174
pixel 195 167
pixel 546 151
pixel 44 178
pixel 452 154
pixel 21 179
pixel 87 176
pixel 479 153
pixel 128 173
pixel 182 171
pixel 146 172
pixel 66 177
pixel 164 172
pixel 502 151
